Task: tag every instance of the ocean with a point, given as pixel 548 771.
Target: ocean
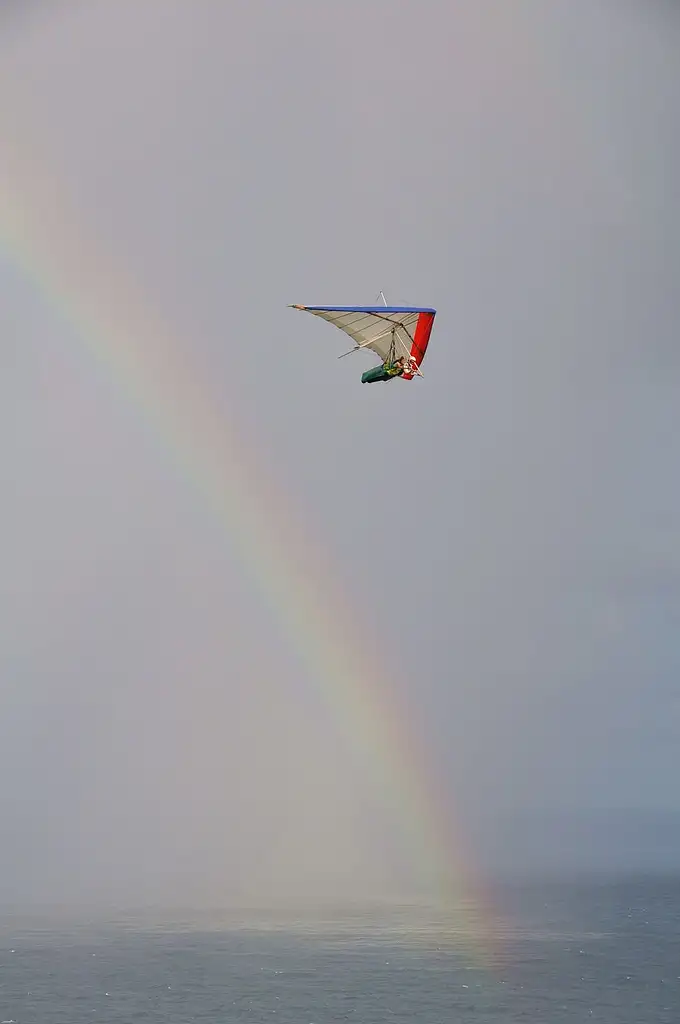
pixel 558 951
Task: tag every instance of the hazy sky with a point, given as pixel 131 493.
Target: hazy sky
pixel 507 528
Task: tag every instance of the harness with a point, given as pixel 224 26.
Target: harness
pixel 390 364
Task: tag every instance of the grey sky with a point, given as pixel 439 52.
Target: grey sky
pixel 517 171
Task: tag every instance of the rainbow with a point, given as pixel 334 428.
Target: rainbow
pixel 41 235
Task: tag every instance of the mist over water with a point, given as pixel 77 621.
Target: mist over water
pixel 564 952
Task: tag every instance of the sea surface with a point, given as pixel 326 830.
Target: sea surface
pixel 552 952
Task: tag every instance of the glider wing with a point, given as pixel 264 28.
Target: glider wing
pixel 389 331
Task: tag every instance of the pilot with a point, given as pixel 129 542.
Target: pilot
pixel 386 371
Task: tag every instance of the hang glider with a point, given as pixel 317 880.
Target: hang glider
pixel 399 335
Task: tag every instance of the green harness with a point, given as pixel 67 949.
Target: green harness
pixel 387 371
